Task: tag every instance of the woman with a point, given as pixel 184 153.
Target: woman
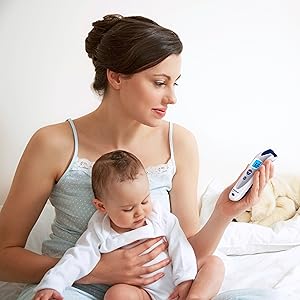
pixel 137 64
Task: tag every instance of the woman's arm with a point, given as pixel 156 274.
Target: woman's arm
pixel 225 210
pixel 184 198
pixel 41 164
pixel 184 194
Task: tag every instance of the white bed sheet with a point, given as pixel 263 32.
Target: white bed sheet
pixel 277 270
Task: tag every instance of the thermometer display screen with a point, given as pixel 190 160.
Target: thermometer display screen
pixel 256 164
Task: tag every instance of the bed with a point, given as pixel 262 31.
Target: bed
pixel 254 255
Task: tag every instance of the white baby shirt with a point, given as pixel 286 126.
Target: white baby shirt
pixel 99 237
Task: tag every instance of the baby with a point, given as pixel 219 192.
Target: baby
pixel 125 216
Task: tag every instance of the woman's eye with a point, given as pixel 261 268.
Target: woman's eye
pixel 163 83
pixel 160 83
pixel 145 202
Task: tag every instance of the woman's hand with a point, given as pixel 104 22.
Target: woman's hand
pixel 127 265
pixel 229 209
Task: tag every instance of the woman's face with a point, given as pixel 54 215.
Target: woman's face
pixel 145 96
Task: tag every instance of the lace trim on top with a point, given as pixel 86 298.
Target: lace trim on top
pixel 153 170
pixel 84 163
pixel 159 169
pixel 87 164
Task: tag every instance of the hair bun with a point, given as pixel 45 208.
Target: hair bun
pixel 100 27
pixel 112 17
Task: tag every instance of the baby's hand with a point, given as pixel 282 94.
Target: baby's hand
pixel 181 291
pixel 47 294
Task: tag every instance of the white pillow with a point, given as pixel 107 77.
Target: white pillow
pixel 40 231
pixel 245 238
pixel 208 200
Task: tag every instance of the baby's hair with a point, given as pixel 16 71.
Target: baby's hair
pixel 115 166
pixel 128 45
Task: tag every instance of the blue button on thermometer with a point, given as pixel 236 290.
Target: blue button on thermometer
pixel 245 181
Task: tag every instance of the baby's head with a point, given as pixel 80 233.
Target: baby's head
pixel 121 190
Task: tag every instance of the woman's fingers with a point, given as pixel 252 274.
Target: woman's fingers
pixel 139 249
pixel 262 178
pixel 231 209
pixel 155 267
pixel 145 258
pixel 269 169
pixel 131 265
pixel 142 272
pixel 254 191
pixel 267 165
pixel 149 279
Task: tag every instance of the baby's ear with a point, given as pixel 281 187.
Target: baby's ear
pixel 99 205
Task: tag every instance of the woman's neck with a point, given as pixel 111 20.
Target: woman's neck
pixel 116 127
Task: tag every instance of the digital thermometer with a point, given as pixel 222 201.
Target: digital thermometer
pixel 245 181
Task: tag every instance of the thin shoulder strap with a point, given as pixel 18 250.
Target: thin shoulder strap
pixel 171 140
pixel 75 136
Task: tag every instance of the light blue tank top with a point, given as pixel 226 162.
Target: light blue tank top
pixel 72 197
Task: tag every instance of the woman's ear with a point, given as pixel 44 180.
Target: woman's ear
pixel 114 79
pixel 99 205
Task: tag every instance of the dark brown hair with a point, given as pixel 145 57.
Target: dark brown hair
pixel 115 166
pixel 128 45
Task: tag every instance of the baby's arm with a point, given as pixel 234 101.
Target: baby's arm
pixel 77 262
pixel 180 251
pixel 182 255
pixel 47 294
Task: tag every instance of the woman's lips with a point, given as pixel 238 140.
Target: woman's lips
pixel 160 112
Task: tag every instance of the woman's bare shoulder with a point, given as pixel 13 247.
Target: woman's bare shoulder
pixel 52 146
pixel 185 144
pixel 182 134
pixel 56 136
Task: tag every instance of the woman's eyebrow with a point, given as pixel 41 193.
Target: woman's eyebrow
pixel 167 76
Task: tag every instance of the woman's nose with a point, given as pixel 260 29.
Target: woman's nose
pixel 170 98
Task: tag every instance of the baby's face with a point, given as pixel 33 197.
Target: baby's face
pixel 128 203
